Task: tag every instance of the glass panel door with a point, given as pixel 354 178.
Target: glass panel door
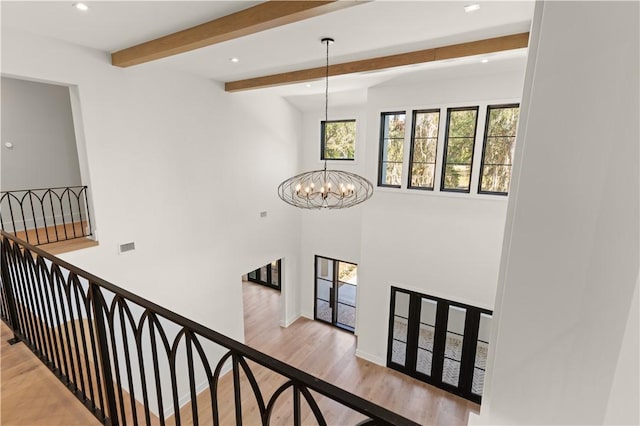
pixel 428 309
pixel 482 347
pixel 453 345
pixel 439 341
pixel 346 300
pixel 400 329
pixel 336 291
pixel 324 289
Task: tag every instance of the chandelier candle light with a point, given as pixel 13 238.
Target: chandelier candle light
pixel 325 189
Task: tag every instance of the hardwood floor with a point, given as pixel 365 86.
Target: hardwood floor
pixel 329 353
pixel 50 234
pixel 31 395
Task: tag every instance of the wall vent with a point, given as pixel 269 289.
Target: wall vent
pixel 123 248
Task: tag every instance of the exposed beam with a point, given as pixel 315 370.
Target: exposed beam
pixel 479 47
pixel 261 17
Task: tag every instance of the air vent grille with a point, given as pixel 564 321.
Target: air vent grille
pixel 123 248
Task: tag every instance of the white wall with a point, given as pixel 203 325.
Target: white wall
pixel 447 245
pixel 37 120
pixel 569 270
pixel 181 168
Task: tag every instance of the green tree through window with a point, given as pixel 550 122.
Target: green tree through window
pixel 391 148
pixel 458 153
pixel 499 144
pixel 424 141
pixel 338 140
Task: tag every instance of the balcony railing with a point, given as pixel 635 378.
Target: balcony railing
pixel 47 215
pixel 131 361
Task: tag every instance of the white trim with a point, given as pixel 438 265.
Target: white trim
pixel 371 358
pixel 288 322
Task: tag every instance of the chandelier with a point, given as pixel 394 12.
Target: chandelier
pixel 325 189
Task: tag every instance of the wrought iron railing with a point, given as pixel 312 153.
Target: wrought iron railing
pixel 47 215
pixel 131 361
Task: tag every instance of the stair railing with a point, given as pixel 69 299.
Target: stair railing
pixel 131 361
pixel 46 215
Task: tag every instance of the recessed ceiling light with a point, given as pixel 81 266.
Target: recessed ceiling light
pixel 471 7
pixel 234 60
pixel 81 6
pixel 484 61
pixel 307 85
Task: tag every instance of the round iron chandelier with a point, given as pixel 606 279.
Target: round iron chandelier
pixel 325 189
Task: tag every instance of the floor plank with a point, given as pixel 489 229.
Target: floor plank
pixel 30 395
pixel 329 353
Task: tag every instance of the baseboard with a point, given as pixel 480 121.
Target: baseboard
pixel 285 324
pixel 185 399
pixel 371 358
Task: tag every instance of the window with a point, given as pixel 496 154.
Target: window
pixel 497 152
pixel 391 149
pixel 336 288
pixel 424 140
pixel 338 140
pixel 268 275
pixel 458 151
pixel 439 341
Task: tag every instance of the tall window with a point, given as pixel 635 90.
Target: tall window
pixel 424 140
pixel 458 151
pixel 391 148
pixel 338 140
pixel 497 152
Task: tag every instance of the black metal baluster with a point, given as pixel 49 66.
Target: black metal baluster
pixel 99 309
pixel 65 326
pixel 73 225
pixel 296 405
pixel 36 296
pixel 127 359
pixel 143 378
pixel 116 363
pixel 53 213
pixel 33 214
pixel 86 204
pixel 8 290
pixel 54 282
pixel 94 351
pixel 156 368
pixel 192 379
pixel 236 389
pixel 87 366
pixel 44 217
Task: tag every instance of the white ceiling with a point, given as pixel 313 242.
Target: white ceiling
pixel 367 30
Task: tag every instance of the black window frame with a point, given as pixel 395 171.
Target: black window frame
pixel 381 153
pixel 411 149
pixel 484 147
pixel 267 281
pixel 446 149
pixel 468 351
pixel 333 298
pixel 322 140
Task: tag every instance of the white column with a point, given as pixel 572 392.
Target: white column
pixel 569 267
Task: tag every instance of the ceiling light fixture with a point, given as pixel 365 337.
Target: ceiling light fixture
pixel 234 60
pixel 484 61
pixel 472 7
pixel 325 189
pixel 81 6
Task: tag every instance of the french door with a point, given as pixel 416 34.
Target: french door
pixel 439 341
pixel 335 293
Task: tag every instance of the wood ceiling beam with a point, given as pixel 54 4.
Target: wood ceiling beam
pixel 479 47
pixel 263 16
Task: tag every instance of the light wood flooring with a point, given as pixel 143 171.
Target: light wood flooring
pixel 31 395
pixel 329 353
pixel 58 247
